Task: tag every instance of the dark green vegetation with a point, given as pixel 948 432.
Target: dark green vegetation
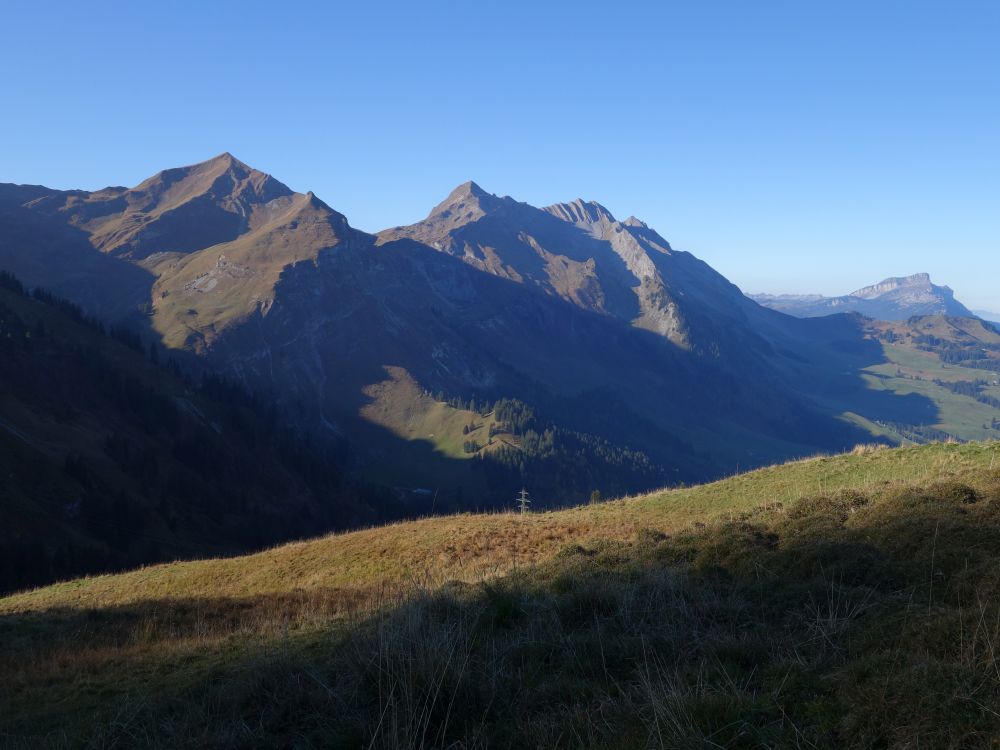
pixel 861 615
pixel 110 458
pixel 974 389
pixel 560 464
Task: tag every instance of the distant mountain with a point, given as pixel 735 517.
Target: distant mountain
pixel 993 317
pixel 893 299
pixel 491 345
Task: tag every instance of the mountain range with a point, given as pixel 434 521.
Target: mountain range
pixel 491 345
pixel 895 298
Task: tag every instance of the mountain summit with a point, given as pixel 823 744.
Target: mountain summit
pixel 176 210
pixel 579 252
pixel 203 246
pixel 896 298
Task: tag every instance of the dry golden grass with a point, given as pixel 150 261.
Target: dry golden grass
pixel 468 547
pixel 806 605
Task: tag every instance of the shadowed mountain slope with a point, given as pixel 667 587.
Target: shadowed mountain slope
pixel 579 252
pixel 110 459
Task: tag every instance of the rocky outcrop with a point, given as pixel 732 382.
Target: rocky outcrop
pixel 897 298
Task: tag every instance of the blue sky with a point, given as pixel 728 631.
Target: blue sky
pixel 795 146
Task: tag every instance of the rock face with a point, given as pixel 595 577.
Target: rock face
pixel 598 322
pixel 897 298
pixel 579 252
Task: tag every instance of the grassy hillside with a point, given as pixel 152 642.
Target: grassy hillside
pixel 399 404
pixel 845 601
pixel 930 378
pixel 424 424
pixel 468 546
pixel 927 355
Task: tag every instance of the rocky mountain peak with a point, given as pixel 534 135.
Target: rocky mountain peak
pixel 895 298
pixel 227 158
pixel 581 212
pixel 221 178
pixel 467 202
pixel 468 189
pixel 917 281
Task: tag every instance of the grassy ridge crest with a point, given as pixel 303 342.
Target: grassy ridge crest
pixel 469 546
pixel 843 601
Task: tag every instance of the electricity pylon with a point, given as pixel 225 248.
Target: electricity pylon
pixel 523 501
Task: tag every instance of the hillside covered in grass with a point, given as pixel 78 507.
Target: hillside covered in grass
pixel 953 363
pixel 845 601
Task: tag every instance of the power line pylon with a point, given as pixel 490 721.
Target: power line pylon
pixel 523 501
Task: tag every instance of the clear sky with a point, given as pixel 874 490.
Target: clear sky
pixel 813 146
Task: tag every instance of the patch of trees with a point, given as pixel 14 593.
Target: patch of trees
pixel 919 434
pixel 969 354
pixel 990 364
pixel 972 389
pixel 477 404
pixel 515 416
pixel 561 464
pixel 564 458
pixel 67 308
pixel 11 283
